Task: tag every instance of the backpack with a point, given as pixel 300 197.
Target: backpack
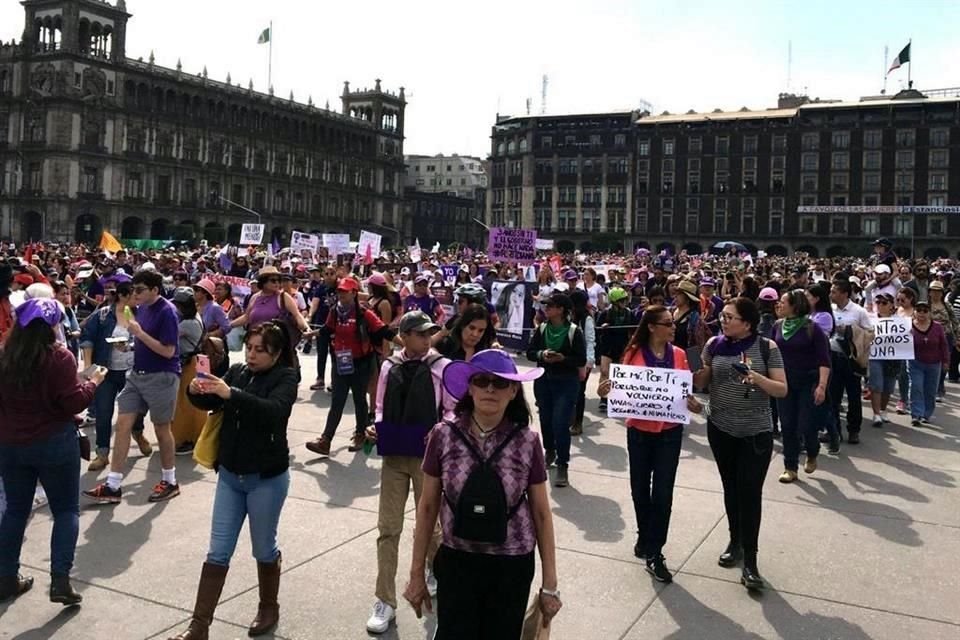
pixel 481 513
pixel 409 384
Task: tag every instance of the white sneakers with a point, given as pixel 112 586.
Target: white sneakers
pixel 381 617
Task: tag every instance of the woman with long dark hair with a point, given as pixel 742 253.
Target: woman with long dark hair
pixel 472 332
pixel 187 419
pixel 39 396
pixel 583 318
pixel 821 314
pixel 252 464
pixel 653 447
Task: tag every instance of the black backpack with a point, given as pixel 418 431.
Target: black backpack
pixel 481 513
pixel 409 385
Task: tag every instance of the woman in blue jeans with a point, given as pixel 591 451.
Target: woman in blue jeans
pixel 39 396
pixel 560 348
pixel 806 358
pixel 252 462
pixel 931 354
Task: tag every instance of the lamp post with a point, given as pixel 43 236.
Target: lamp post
pixel 239 206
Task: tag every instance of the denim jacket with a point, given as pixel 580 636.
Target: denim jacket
pixel 96 330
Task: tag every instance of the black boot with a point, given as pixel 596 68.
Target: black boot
pixel 14 586
pixel 639 549
pixel 731 556
pixel 751 577
pixel 61 591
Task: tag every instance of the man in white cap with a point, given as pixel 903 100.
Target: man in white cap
pixel 883 282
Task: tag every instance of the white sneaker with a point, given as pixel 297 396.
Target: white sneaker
pixel 381 617
pixel 431 584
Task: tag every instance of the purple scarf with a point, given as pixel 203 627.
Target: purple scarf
pixel 650 360
pixel 724 346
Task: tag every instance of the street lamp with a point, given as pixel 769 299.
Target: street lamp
pixel 239 206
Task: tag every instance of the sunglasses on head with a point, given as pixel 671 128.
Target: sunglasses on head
pixel 482 381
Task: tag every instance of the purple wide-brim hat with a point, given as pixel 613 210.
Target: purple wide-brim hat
pixel 46 309
pixel 456 377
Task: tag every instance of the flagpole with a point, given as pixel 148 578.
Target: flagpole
pixel 886 56
pixel 270 59
pixel 910 65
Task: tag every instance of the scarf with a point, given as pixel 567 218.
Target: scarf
pixel 790 326
pixel 554 336
pixel 650 360
pixel 724 346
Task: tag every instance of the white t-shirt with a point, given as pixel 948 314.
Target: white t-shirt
pixel 594 292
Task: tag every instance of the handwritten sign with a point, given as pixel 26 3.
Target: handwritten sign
pixel 251 234
pixel 371 240
pixel 649 393
pixel 337 244
pixel 544 244
pixel 449 272
pixel 512 245
pixel 893 339
pixel 300 242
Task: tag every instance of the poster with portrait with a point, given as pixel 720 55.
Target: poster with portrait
pixel 513 302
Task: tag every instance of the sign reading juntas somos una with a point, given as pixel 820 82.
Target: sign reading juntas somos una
pixel 649 393
pixel 512 245
pixel 893 339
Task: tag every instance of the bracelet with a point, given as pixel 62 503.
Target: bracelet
pixel 552 594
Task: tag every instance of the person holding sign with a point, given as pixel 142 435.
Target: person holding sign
pixel 883 373
pixel 942 313
pixel 931 355
pixel 743 371
pixel 653 447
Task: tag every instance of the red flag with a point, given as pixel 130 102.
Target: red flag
pixel 368 257
pixel 28 254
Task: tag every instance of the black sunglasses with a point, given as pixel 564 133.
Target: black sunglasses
pixel 482 381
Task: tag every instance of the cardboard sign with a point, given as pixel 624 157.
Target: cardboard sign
pixel 415 254
pixel 444 296
pixel 544 244
pixel 893 339
pixel 649 393
pixel 512 245
pixel 251 234
pixel 337 244
pixel 371 240
pixel 449 272
pixel 300 242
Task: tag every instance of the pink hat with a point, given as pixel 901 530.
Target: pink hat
pixel 207 285
pixel 377 279
pixel 769 294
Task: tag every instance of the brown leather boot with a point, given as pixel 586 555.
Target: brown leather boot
pixel 212 577
pixel 268 613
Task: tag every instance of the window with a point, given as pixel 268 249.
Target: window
pixel 939 158
pixel 616 221
pixel 592 195
pixel 808 225
pixel 568 166
pixel 546 142
pixel 937 201
pixel 569 141
pixel 666 221
pixel 616 195
pixel 723 164
pixel 544 166
pixel 511 148
pixel 936 226
pixel 542 219
pixel 568 194
pixel 523 148
pixel 667 182
pixel 839 182
pixel 695 146
pixel 779 144
pixel 722 182
pixel 840 161
pixel 163 190
pixel 904 160
pixel 596 140
pixel 667 165
pixel 620 140
pixel 776 223
pixel 748 218
pixel 939 137
pixel 838 225
pixel 871 160
pixel 778 162
pixel 617 165
pixel 259 198
pixel 808 182
pixel 938 182
pixel 516 168
pixel 872 139
pixel 213 198
pixel 566 219
pixel 279 198
pixel 236 193
pixel 810 161
pixel 903 199
pixel 668 147
pixel 906 137
pixel 693 164
pixel 871 200
pixel 838 201
pixel 693 222
pixel 749 164
pixel 190 192
pixel 643 148
pixel 871 182
pixel 777 181
pixel 720 215
pixel 640 219
pixel 840 140
pixel 298 203
pixel 88 182
pixel 134 185
pixel 902 226
pixel 870 226
pixel 543 194
pixel 750 144
pixel 514 196
pixel 810 141
pixel 693 181
pixel 808 201
pixel 904 181
pixel 723 145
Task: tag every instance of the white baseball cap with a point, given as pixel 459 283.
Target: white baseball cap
pixel 881 268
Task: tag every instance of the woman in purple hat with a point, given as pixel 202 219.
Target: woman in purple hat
pixel 485 477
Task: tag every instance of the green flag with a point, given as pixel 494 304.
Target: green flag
pixel 902 58
pixel 264 36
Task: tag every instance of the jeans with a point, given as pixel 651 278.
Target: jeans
pixel 481 596
pixel 743 464
pixel 55 462
pixel 844 380
pixel 356 383
pixel 924 379
pixel 941 388
pixel 799 417
pixel 237 497
pixel 903 382
pixel 323 350
pixel 653 470
pixel 581 400
pixel 556 400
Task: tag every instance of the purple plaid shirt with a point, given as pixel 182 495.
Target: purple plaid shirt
pixel 519 465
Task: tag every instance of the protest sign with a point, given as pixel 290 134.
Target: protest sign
pixel 300 241
pixel 444 296
pixel 512 245
pixel 649 393
pixel 893 339
pixel 336 243
pixel 449 272
pixel 371 240
pixel 544 244
pixel 251 234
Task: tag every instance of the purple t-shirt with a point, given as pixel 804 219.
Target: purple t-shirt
pixel 519 465
pixel 160 322
pixel 428 304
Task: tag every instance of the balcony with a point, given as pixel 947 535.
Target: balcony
pixel 90 195
pixel 28 192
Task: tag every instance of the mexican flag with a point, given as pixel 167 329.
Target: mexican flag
pixel 902 58
pixel 265 36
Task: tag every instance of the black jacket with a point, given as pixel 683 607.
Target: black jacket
pixel 576 353
pixel 253 438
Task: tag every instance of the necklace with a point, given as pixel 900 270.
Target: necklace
pixel 483 432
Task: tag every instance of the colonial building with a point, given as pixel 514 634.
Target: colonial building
pixel 456 175
pixel 821 177
pixel 91 140
pixel 444 198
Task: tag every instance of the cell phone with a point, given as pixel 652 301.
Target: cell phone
pixel 203 365
pixel 117 340
pixel 741 367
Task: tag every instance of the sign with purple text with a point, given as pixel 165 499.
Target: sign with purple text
pixel 512 245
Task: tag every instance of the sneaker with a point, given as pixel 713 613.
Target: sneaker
pixel 142 443
pixel 901 408
pixel 383 614
pixel 317 386
pixel 824 437
pixel 810 465
pixel 924 420
pixel 550 457
pixel 877 422
pixel 356 442
pixel 603 405
pixel 834 446
pixel 939 399
pixel 330 389
pixel 320 446
pixel 103 494
pixel 184 449
pixel 576 429
pixel 561 480
pixel 883 416
pixel 164 491
pixel 657 567
pixel 915 422
pixel 431 583
pixel 99 463
pixel 788 476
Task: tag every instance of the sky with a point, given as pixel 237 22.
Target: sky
pixel 462 63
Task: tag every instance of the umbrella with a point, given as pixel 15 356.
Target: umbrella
pixel 726 245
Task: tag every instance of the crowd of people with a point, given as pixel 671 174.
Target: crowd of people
pixel 775 343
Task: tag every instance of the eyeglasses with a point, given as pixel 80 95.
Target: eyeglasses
pixel 726 317
pixel 483 381
pixel 140 288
